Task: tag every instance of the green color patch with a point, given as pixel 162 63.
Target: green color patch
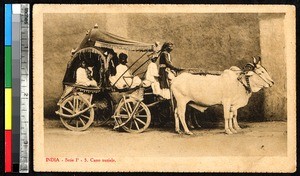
pixel 8 67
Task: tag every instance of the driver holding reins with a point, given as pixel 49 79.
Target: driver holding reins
pixel 165 62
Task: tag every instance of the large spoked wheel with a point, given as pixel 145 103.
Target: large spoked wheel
pixel 79 112
pixel 133 116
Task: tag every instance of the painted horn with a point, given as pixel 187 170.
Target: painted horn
pixel 256 60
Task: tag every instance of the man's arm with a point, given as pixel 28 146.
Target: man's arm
pixel 169 63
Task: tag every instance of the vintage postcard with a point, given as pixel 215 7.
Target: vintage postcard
pixel 164 88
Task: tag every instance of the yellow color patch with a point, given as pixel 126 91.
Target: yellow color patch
pixel 8 108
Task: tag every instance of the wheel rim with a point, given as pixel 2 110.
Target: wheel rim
pixel 140 120
pixel 73 105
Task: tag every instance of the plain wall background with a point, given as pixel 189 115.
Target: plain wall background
pixel 207 41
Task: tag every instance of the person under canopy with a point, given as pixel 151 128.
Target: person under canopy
pixel 123 78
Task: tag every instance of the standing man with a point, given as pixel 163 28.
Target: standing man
pixel 165 62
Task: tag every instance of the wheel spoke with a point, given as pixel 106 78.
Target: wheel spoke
pixel 82 105
pixel 124 109
pixel 140 110
pixel 77 103
pixel 137 126
pixel 69 110
pixel 76 123
pixel 85 116
pixel 71 105
pixel 140 121
pixel 71 120
pixel 127 110
pixel 141 115
pixel 130 127
pixel 130 107
pixel 74 103
pixel 82 121
pixel 124 116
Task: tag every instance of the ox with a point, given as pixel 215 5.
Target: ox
pixel 232 89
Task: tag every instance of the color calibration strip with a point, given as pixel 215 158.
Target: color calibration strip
pixel 8 88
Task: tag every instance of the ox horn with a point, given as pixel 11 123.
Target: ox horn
pixel 256 60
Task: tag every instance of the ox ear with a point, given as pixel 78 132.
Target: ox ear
pixel 256 60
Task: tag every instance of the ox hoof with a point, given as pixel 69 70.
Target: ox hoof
pixel 233 130
pixel 179 131
pixel 238 128
pixel 189 133
pixel 227 131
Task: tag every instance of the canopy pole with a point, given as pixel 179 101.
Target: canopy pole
pixel 130 67
pixel 140 66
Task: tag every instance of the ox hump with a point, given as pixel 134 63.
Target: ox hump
pixel 233 71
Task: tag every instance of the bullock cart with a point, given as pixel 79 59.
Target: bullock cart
pixel 81 105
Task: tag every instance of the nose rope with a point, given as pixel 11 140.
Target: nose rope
pixel 262 78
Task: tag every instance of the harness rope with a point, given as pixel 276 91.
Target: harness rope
pixel 247 85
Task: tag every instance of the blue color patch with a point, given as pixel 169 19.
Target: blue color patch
pixel 8 24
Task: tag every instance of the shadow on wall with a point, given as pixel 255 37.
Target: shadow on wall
pixel 208 41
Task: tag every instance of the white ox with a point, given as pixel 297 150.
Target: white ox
pixel 232 89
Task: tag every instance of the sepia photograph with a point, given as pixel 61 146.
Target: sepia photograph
pixel 164 88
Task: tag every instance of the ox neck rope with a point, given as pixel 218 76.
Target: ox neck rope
pixel 247 85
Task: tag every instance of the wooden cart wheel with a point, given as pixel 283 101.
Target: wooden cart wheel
pixel 72 105
pixel 140 120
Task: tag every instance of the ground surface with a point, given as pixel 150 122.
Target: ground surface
pixel 255 139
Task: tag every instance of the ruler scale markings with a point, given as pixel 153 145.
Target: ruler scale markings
pixel 24 96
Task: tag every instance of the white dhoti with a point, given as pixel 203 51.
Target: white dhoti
pixel 151 73
pixel 132 82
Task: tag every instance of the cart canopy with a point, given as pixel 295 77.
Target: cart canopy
pixel 97 38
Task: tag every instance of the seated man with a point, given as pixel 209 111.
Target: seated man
pixel 123 78
pixel 152 78
pixel 84 75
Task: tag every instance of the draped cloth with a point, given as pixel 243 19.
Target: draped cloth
pixel 126 80
pixel 151 77
pixel 96 37
pixel 82 77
